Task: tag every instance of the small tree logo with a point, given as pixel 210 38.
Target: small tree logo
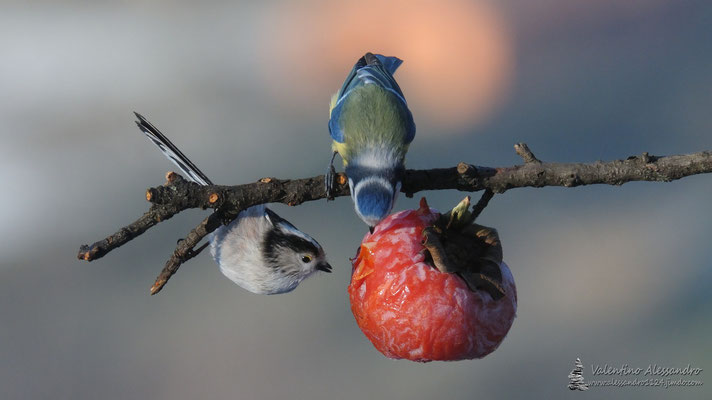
pixel 576 377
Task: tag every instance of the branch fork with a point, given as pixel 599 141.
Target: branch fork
pixel 178 194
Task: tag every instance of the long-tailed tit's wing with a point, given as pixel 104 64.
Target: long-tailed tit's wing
pixel 171 151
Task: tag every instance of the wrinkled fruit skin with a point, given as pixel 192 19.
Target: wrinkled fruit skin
pixel 408 309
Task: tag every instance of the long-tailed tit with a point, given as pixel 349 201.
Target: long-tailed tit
pixel 259 250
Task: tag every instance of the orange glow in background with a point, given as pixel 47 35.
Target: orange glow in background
pixel 458 56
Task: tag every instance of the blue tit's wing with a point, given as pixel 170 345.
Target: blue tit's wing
pixel 335 130
pixel 350 78
pixel 337 134
pixel 171 151
pixel 370 69
pixel 379 70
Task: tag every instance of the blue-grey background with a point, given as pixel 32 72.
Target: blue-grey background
pixel 614 275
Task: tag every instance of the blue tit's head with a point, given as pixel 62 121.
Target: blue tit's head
pixel 374 194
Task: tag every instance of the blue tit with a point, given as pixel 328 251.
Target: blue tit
pixel 259 250
pixel 371 128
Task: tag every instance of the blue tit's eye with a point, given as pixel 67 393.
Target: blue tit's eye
pixel 306 259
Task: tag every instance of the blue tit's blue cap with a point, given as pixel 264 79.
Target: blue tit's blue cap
pixel 373 201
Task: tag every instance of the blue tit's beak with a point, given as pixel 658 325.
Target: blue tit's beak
pixel 371 228
pixel 324 266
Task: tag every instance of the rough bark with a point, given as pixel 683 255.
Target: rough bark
pixel 177 194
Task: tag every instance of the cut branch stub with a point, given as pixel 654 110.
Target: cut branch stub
pixel 213 199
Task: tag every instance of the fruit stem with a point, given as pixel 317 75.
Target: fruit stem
pixel 482 203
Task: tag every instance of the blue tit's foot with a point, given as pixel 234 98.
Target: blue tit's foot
pixel 329 181
pixel 329 178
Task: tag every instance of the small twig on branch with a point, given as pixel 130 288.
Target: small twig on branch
pixel 157 213
pixel 177 194
pixel 184 250
pixel 523 150
pixel 482 203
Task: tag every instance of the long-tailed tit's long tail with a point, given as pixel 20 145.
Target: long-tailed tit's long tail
pixel 171 151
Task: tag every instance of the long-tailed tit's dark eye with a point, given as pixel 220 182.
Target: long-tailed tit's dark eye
pixel 306 259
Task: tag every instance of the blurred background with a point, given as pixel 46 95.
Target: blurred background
pixel 614 275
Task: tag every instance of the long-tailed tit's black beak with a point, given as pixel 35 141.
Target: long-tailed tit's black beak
pixel 326 267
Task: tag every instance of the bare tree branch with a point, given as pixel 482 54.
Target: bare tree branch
pixel 177 194
pixel 184 251
pixel 156 214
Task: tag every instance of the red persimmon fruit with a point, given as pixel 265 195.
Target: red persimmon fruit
pixel 409 309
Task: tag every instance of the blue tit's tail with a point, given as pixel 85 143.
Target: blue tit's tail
pixel 391 64
pixel 171 151
pixel 373 68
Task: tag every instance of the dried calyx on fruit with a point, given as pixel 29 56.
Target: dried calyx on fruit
pixel 455 244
